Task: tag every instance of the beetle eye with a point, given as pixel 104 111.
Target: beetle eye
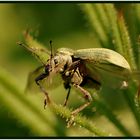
pixel 55 61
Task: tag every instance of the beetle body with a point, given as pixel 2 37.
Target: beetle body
pixel 83 68
pixel 93 61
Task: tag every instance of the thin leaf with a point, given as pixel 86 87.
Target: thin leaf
pixel 127 47
pixel 112 16
pixel 95 23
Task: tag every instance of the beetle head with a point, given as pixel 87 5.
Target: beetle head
pixel 59 61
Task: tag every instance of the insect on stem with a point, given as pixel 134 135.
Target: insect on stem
pixel 78 69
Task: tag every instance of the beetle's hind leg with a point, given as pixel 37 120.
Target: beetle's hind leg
pixel 88 98
pixel 41 77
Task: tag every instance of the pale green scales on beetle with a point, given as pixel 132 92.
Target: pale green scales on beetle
pixel 103 56
pixel 82 69
pixel 100 55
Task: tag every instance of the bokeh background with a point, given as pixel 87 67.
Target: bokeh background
pixel 66 25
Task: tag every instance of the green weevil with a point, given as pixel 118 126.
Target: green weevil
pixel 83 69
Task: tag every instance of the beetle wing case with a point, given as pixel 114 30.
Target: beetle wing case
pixel 109 66
pixel 102 55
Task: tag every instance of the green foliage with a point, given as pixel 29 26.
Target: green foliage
pixel 117 112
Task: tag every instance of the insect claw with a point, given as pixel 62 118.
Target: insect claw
pixel 64 103
pixel 70 122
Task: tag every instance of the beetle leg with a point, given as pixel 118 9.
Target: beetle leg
pixel 41 77
pixel 67 86
pixel 74 113
pixel 31 77
pixel 87 96
pixel 74 65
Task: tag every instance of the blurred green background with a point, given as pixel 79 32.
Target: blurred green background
pixel 67 26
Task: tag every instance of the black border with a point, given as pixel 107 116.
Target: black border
pixel 69 137
pixel 67 1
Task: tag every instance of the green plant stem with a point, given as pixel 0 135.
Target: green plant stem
pixel 112 16
pixel 104 20
pixel 37 49
pixel 131 18
pixel 137 99
pixel 80 120
pixel 102 16
pixel 138 49
pixel 137 19
pixel 130 98
pixel 19 104
pixel 95 23
pixel 127 47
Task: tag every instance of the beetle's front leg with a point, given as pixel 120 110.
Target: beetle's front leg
pixel 41 77
pixel 74 65
pixel 67 86
pixel 31 77
pixel 70 74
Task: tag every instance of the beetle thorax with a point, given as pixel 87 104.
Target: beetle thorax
pixel 61 61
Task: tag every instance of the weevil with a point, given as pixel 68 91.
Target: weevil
pixel 84 68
